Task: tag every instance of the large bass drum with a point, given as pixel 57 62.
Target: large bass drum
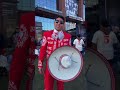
pixel 96 74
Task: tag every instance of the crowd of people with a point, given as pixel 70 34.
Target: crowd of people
pixel 6 50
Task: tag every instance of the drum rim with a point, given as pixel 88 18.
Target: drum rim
pixel 82 63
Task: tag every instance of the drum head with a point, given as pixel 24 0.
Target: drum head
pixel 62 73
pixel 96 74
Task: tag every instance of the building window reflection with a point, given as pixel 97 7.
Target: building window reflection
pixel 70 25
pixel 47 23
pixel 26 5
pixel 71 7
pixel 48 4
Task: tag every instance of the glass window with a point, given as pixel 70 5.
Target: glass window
pixel 47 24
pixel 48 4
pixel 26 5
pixel 70 25
pixel 71 7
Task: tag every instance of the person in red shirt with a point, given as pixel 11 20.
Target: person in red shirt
pixel 52 40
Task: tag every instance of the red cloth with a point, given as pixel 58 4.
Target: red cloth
pixel 23 57
pixel 48 46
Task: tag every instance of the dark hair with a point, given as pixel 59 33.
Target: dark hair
pixel 105 23
pixel 78 35
pixel 60 17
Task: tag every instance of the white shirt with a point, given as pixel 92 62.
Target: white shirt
pixel 3 61
pixel 105 43
pixel 78 44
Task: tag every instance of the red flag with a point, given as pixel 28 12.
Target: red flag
pixel 23 56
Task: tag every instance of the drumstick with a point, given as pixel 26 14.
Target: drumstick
pixel 88 69
pixel 71 59
pixel 96 84
pixel 59 62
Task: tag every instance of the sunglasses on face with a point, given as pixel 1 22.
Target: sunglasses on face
pixel 58 21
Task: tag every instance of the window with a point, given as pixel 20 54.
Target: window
pixel 26 5
pixel 47 24
pixel 71 7
pixel 48 4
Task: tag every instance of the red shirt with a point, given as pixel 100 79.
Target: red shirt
pixel 49 45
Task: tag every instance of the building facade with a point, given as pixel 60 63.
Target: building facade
pixel 47 10
pixel 8 16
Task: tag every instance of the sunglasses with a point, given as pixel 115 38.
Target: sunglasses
pixel 58 21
